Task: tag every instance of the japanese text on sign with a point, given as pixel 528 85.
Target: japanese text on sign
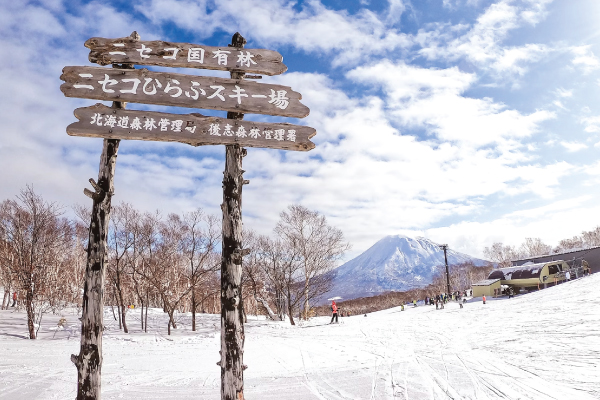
pixel 176 125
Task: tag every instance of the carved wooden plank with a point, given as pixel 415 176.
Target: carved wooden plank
pixel 196 130
pixel 143 86
pixel 184 55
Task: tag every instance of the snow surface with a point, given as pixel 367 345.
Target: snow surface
pixel 395 263
pixel 543 345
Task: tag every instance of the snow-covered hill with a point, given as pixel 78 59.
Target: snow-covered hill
pixel 395 263
pixel 538 346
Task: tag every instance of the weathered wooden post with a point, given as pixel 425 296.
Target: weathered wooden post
pixel 89 360
pixel 232 319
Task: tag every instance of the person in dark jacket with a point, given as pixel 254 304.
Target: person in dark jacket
pixel 334 312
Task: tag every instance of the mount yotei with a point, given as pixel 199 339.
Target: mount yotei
pixel 395 263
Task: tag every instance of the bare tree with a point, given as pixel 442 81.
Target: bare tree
pixel 281 266
pixel 317 247
pixel 120 243
pixel 533 247
pixel 36 243
pixel 591 238
pixel 198 243
pixel 501 254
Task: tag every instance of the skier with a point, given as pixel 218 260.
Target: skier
pixel 14 299
pixel 484 299
pixel 568 276
pixel 334 311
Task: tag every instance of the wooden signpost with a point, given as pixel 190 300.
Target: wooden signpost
pixel 123 84
pixel 130 50
pixel 179 90
pixel 194 129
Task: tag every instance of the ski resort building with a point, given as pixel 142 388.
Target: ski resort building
pixel 486 287
pixel 531 275
pixel 573 258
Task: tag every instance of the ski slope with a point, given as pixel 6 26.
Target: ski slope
pixel 543 345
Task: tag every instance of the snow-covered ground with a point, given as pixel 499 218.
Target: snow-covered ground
pixel 543 345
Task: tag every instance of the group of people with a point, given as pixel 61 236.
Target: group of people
pixel 443 298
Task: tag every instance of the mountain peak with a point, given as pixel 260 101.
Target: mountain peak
pixel 394 263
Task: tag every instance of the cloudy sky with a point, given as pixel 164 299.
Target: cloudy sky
pixel 465 121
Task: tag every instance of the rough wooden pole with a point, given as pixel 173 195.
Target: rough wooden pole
pixel 232 320
pixel 89 360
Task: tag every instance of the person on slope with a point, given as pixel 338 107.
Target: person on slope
pixel 334 312
pixel 14 299
pixel 586 267
pixel 483 299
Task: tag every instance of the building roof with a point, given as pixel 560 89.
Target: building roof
pixel 526 271
pixel 486 282
pixel 557 254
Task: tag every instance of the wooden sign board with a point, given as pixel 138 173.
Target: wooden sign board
pixel 128 50
pixel 179 90
pixel 196 130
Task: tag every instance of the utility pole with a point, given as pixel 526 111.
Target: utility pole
pixel 445 247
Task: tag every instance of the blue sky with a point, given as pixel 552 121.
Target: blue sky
pixel 465 121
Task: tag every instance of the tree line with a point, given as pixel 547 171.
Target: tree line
pixel 162 261
pixel 503 255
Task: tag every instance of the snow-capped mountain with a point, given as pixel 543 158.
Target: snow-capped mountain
pixel 395 263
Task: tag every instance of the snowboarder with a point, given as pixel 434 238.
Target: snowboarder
pixel 334 311
pixel 14 299
pixel 402 307
pixel 483 299
pixel 414 303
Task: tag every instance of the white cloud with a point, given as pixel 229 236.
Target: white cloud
pixel 592 124
pixel 432 99
pixel 585 59
pixel 573 146
pixel 551 222
pixel 482 44
pixel 560 92
pixel 345 38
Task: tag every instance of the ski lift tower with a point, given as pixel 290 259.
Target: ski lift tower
pixel 445 247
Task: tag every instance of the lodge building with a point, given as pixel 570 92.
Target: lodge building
pixel 540 271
